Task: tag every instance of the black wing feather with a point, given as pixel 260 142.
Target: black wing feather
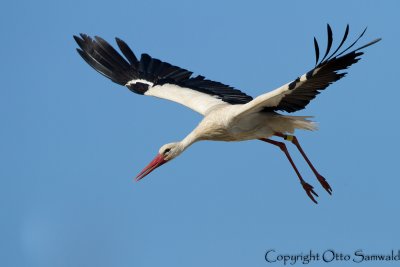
pixel 96 65
pixel 346 33
pixel 127 52
pixel 106 60
pixel 361 35
pixel 330 41
pixel 325 73
pixel 316 51
pixel 110 52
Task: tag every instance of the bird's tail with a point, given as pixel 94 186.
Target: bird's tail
pixel 300 122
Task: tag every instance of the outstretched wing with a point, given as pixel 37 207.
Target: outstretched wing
pixel 297 94
pixel 153 77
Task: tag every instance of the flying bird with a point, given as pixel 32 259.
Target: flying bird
pixel 229 114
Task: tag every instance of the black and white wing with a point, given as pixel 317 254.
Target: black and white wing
pixel 153 77
pixel 297 94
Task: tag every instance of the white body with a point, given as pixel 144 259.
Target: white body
pixel 226 122
pixel 223 123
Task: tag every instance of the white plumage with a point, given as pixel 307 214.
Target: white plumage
pixel 197 101
pixel 229 114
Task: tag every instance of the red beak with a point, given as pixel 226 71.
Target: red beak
pixel 155 163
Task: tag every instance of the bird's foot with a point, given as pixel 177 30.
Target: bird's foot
pixel 324 183
pixel 310 191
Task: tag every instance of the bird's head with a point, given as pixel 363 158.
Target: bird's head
pixel 166 153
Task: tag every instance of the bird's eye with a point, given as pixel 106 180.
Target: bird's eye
pixel 167 150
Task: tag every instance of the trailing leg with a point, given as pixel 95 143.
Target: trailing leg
pixel 320 178
pixel 307 187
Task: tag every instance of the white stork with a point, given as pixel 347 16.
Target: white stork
pixel 229 114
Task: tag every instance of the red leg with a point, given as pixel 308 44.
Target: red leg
pixel 320 178
pixel 307 187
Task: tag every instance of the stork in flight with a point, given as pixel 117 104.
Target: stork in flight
pixel 229 114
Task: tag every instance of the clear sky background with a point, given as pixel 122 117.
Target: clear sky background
pixel 72 141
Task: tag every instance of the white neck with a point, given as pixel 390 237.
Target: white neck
pixel 189 140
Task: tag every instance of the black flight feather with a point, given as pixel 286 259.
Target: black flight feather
pixel 316 51
pixel 325 73
pixel 106 60
pixel 329 44
pixel 346 33
pixel 353 43
pixel 130 56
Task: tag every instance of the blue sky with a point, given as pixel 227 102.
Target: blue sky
pixel 72 141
